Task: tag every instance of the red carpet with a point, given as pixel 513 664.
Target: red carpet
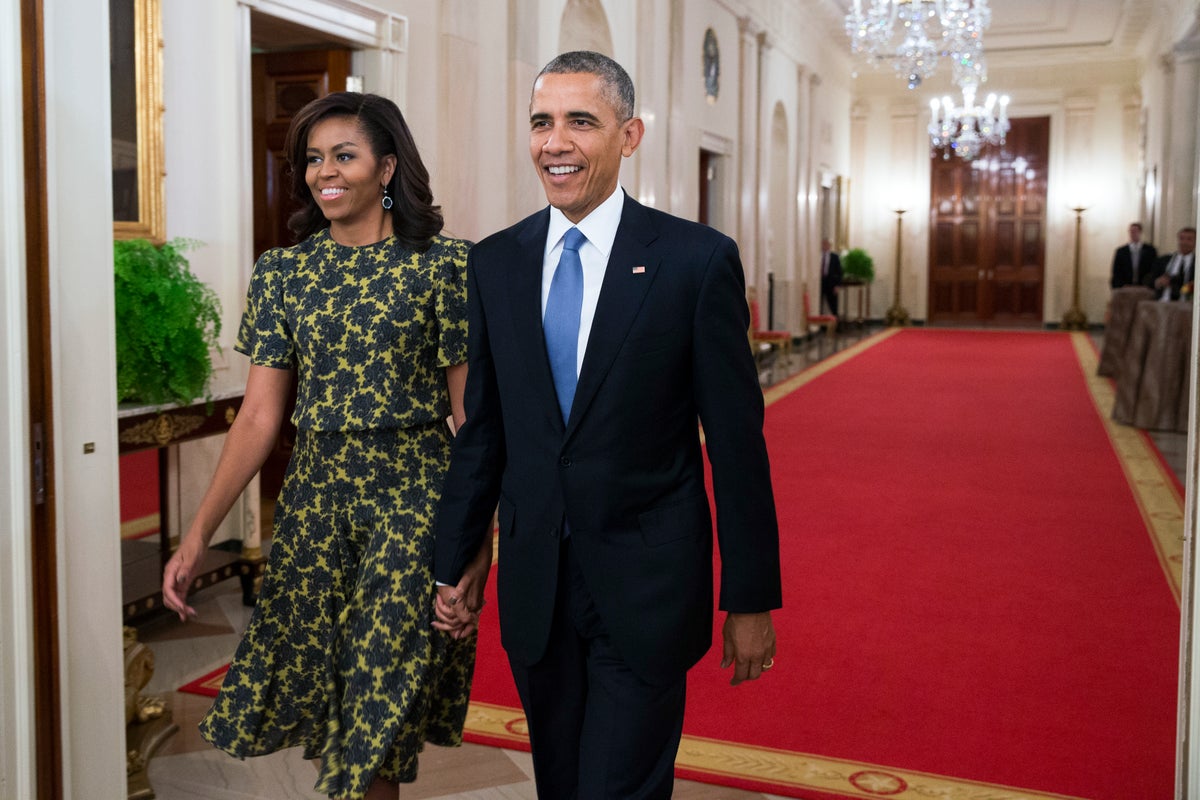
pixel 206 685
pixel 975 605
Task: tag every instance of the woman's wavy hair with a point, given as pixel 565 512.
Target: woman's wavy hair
pixel 415 219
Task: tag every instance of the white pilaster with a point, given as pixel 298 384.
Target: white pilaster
pixel 748 140
pixel 1179 176
pixel 802 205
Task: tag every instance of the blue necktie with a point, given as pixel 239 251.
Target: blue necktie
pixel 560 326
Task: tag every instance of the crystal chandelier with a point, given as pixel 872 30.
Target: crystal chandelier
pixel 965 130
pixel 912 35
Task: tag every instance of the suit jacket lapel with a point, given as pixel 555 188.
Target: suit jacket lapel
pixel 632 267
pixel 525 293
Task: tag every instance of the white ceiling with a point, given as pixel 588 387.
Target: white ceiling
pixel 1022 32
pixel 1036 32
pixel 1057 27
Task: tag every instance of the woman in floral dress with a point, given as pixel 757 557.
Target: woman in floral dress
pixel 369 310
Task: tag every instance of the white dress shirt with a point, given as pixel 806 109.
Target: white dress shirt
pixel 1178 266
pixel 600 228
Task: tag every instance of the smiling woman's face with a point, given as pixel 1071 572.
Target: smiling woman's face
pixel 343 173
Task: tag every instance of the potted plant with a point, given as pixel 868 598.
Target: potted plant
pixel 857 264
pixel 167 320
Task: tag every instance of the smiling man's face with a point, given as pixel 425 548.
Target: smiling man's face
pixel 577 142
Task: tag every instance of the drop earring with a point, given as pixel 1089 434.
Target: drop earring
pixel 386 202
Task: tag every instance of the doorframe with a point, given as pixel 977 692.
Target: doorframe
pixel 80 575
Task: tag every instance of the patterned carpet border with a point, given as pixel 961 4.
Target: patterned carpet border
pixel 771 770
pixel 1154 489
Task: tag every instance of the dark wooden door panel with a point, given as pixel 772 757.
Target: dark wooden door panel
pixel 987 231
pixel 282 84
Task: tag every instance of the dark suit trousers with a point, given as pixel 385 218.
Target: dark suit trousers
pixel 829 292
pixel 596 729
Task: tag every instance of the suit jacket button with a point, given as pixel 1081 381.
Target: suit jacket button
pixel 564 462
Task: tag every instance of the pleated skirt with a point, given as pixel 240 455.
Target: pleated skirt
pixel 340 656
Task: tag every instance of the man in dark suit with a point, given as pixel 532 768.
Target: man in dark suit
pixel 831 276
pixel 582 427
pixel 1176 270
pixel 1134 263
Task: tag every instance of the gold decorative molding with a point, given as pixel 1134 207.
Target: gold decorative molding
pixel 162 430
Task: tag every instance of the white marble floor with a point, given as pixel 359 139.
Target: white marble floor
pixel 187 768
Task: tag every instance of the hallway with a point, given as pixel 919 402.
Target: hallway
pixel 187 768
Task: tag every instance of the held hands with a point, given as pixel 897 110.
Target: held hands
pixel 178 574
pixel 456 608
pixel 749 645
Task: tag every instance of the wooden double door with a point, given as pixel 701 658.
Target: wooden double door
pixel 987 248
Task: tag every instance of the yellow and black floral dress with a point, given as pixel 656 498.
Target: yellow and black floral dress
pixel 340 656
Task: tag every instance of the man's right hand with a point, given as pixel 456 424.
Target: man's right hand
pixel 456 608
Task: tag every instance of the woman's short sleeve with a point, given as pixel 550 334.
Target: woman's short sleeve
pixel 450 287
pixel 265 335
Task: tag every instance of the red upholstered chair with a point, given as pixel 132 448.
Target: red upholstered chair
pixel 829 321
pixel 777 340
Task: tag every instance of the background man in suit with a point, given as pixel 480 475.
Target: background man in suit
pixel 1133 263
pixel 582 426
pixel 1175 270
pixel 831 276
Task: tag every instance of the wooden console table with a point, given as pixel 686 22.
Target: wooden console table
pixel 142 561
pixel 862 290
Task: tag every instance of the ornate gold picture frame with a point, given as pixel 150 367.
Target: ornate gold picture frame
pixel 137 135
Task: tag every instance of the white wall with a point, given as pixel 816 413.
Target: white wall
pixel 207 155
pixel 208 199
pixel 770 61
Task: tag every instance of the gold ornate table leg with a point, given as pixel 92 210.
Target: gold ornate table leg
pixel 148 722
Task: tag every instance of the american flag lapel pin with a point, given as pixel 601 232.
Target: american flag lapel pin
pixel 639 270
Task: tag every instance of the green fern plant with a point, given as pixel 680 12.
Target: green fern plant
pixel 858 264
pixel 167 320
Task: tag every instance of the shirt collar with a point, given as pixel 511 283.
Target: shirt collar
pixel 600 226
